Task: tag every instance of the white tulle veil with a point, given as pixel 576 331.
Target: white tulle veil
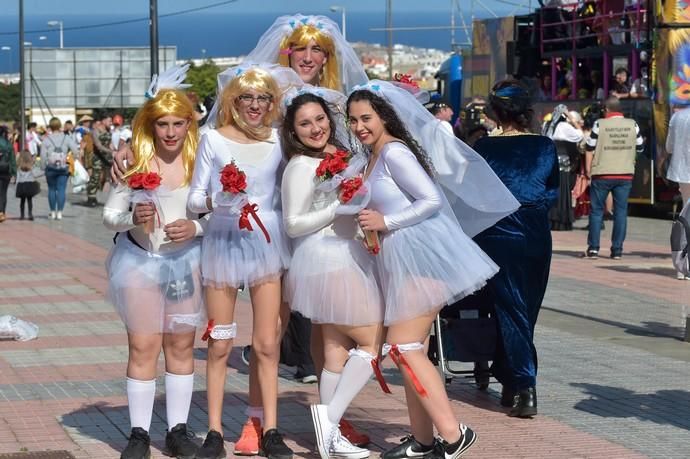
pixel 268 48
pixel 475 194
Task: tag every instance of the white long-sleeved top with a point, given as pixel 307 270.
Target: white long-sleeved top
pixel 117 216
pixel 678 146
pixel 306 210
pixel 260 162
pixel 567 132
pixel 400 188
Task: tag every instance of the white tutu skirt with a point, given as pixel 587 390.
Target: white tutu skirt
pixel 332 280
pixel 156 293
pixel 428 265
pixel 234 257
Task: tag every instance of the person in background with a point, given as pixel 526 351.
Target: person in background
pixel 33 139
pixel 54 159
pixel 520 244
pixel 444 113
pixel 27 185
pixel 117 132
pixel 102 158
pixel 678 147
pixel 567 135
pixel 612 149
pixel 621 87
pixel 8 168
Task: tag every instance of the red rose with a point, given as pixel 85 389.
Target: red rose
pixel 322 169
pixel 151 181
pixel 135 181
pixel 336 164
pixel 332 164
pixel 233 179
pixel 349 188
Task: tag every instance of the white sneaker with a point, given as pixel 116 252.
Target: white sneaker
pixel 323 428
pixel 51 215
pixel 59 215
pixel 341 447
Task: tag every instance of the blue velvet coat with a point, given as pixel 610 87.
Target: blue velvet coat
pixel 520 244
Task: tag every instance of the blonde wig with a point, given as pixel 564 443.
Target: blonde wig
pixel 167 102
pixel 253 79
pixel 330 73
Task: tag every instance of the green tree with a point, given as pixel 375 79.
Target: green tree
pixel 203 79
pixel 10 103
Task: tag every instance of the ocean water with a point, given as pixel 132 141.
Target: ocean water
pixel 210 35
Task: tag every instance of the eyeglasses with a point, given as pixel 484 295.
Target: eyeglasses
pixel 248 99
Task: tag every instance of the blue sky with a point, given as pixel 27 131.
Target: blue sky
pixel 69 7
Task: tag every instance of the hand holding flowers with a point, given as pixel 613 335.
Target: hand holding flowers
pixel 234 196
pixel 146 210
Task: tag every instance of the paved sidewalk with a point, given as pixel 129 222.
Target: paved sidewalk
pixel 613 381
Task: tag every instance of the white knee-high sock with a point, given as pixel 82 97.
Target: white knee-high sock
pixel 327 385
pixel 178 398
pixel 140 395
pixel 356 373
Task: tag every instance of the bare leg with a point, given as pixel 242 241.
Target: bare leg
pixel 436 403
pixel 266 346
pixel 220 304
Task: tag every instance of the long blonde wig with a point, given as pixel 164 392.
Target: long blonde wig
pixel 330 74
pixel 167 102
pixel 253 79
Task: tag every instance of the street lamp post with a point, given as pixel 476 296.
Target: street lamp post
pixel 335 8
pixel 28 44
pixel 58 23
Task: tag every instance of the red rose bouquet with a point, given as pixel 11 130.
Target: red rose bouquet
pixel 332 165
pixel 349 188
pixel 144 186
pixel 233 179
pixel 234 197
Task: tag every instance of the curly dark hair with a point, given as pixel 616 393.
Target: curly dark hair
pixel 510 103
pixel 393 125
pixel 288 138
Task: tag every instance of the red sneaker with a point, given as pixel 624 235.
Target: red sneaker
pixel 356 438
pixel 248 443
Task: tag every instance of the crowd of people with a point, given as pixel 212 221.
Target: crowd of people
pixel 340 204
pixel 55 151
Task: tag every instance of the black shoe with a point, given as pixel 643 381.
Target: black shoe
pixel 591 254
pixel 21 217
pixel 508 397
pixel 526 404
pixel 139 446
pixel 616 255
pixel 246 353
pixel 408 447
pixel 91 202
pixel 306 374
pixel 31 218
pixel 454 450
pixel 178 442
pixel 273 446
pixel 213 447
